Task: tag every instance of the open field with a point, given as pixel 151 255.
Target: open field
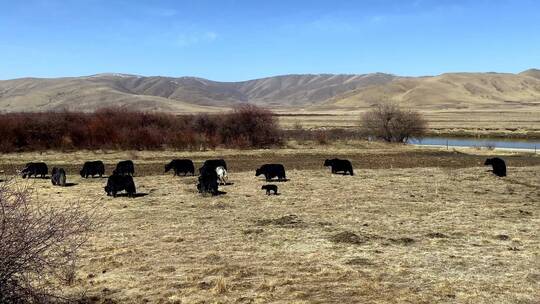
pixel 524 124
pixel 413 225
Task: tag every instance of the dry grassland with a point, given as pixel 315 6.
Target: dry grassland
pixel 454 123
pixel 408 234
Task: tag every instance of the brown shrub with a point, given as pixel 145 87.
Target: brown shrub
pixel 321 137
pixel 387 121
pixel 115 128
pixel 250 126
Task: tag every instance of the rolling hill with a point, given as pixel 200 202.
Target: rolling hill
pixel 453 91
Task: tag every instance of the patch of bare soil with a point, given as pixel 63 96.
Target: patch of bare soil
pixel 287 221
pixel 357 261
pixel 349 238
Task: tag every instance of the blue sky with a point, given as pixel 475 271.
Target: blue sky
pixel 231 40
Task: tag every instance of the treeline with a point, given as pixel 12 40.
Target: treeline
pixel 112 128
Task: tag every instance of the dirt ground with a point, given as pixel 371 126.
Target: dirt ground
pixel 411 226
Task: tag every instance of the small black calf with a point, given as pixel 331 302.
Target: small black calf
pixel 269 188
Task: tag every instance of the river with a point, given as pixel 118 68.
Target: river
pixel 479 142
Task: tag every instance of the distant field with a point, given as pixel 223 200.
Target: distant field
pixel 454 123
pixel 413 225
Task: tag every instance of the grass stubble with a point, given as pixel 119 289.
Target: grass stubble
pixel 417 234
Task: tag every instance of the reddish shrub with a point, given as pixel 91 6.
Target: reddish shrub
pixel 114 128
pixel 250 126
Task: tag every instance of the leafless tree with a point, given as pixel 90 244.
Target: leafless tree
pixel 38 244
pixel 387 121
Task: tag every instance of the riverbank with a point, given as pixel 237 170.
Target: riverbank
pixel 531 146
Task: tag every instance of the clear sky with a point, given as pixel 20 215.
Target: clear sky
pixel 231 40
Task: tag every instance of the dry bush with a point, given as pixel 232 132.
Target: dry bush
pixel 387 121
pixel 321 137
pixel 117 128
pixel 38 245
pixel 250 126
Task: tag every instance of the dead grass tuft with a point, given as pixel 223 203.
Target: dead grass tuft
pixel 288 221
pixel 348 238
pixel 221 286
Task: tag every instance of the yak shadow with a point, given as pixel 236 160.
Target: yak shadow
pixel 208 194
pixel 216 194
pixel 136 195
pixel 70 184
pixel 342 173
pixel 227 184
pixel 277 180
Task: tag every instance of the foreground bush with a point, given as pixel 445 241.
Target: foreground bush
pixel 38 246
pixel 392 124
pixel 246 127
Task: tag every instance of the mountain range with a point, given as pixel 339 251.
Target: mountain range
pixel 321 92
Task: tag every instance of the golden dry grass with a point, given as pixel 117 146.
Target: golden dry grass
pixel 409 235
pixel 517 123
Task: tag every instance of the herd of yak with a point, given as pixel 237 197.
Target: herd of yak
pixel 212 173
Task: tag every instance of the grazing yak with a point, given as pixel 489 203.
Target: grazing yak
pixel 117 183
pixel 58 177
pixel 339 165
pixel 180 166
pixel 214 163
pixel 91 168
pixel 271 170
pixel 208 181
pixel 35 169
pixel 498 165
pixel 222 175
pixel 124 167
pixel 270 188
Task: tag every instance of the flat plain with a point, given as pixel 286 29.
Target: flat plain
pixel 412 225
pixel 484 123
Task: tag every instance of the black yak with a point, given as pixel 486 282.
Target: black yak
pixel 271 170
pixel 498 165
pixel 117 183
pixel 339 165
pixel 184 166
pixel 125 167
pixel 35 169
pixel 58 177
pixel 208 181
pixel 91 168
pixel 214 163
